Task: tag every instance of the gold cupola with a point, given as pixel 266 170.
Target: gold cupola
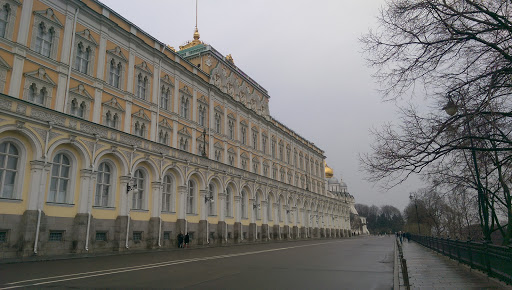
pixel 192 43
pixel 328 171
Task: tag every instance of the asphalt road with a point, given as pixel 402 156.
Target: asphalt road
pixel 354 263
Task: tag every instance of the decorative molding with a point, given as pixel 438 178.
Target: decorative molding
pixel 6 104
pixel 49 15
pixel 129 140
pixel 93 129
pixel 48 117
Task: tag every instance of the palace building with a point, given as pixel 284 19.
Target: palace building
pixel 111 140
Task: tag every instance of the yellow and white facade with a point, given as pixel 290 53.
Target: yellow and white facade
pixel 110 140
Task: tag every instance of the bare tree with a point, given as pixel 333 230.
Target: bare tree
pixel 459 52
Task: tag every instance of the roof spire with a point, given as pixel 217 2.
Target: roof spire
pixel 196 31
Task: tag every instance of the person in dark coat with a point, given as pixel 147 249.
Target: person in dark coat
pixel 187 240
pixel 180 240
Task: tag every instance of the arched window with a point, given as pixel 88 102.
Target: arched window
pixel 115 121
pixel 231 129
pixel 59 185
pixel 184 107
pixel 82 58
pixel 229 196
pixel 137 128
pixel 254 139
pixel 103 185
pixel 191 194
pixel 202 116
pixel 44 40
pixel 211 201
pixel 4 19
pixel 243 132
pixel 74 107
pixel 9 157
pixel 244 204
pixel 115 74
pixel 81 110
pixel 36 96
pixel 138 196
pixel 168 194
pixel 217 123
pixel 141 86
pixel 164 98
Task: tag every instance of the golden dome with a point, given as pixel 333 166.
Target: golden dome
pixel 196 34
pixel 328 171
pixel 192 43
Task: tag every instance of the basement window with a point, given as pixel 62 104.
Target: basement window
pixel 56 236
pixel 3 236
pixel 101 236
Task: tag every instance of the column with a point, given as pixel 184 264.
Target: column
pixel 128 116
pixel 181 209
pixel 264 225
pixel 26 15
pixel 154 221
pixel 252 225
pixel 203 230
pixel 237 231
pixel 221 226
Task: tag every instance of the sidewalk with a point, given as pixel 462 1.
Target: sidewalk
pixel 430 270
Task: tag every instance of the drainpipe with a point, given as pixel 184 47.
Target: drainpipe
pixel 39 210
pixel 71 58
pixel 89 205
pixel 160 213
pixel 158 100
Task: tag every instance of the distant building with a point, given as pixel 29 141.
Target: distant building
pixel 338 189
pixel 111 140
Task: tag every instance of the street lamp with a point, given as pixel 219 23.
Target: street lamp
pixel 411 197
pixel 451 109
pixel 208 198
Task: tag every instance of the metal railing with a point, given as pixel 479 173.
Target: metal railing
pixel 403 265
pixel 494 260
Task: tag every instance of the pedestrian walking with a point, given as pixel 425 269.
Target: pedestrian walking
pixel 187 240
pixel 180 240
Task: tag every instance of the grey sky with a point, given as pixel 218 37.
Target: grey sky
pixel 307 55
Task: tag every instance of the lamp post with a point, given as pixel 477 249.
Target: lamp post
pixel 411 197
pixel 451 109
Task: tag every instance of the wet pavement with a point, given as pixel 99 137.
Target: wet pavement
pixel 430 270
pixel 351 263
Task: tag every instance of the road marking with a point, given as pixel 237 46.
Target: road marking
pixel 91 274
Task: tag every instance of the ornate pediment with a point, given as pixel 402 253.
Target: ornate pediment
pixel 218 109
pixel 231 150
pixel 4 64
pixel 184 132
pixel 167 80
pixel 141 115
pixel 165 124
pixel 49 15
pixel 203 100
pixel 42 76
pixel 114 104
pixel 218 145
pixel 80 90
pixel 186 91
pixel 117 53
pixel 144 67
pixel 86 35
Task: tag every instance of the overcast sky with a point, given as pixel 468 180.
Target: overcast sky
pixel 308 57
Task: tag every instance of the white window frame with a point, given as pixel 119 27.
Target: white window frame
pixel 47 19
pixel 41 80
pixel 168 193
pixel 10 17
pixel 70 190
pixel 20 167
pixel 119 61
pixel 111 186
